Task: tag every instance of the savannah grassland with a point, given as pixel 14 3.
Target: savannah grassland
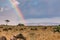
pixel 30 32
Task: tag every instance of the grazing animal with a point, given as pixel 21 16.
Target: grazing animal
pixel 13 38
pixel 19 36
pixel 3 38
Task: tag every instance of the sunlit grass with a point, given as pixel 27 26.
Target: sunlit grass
pixel 37 32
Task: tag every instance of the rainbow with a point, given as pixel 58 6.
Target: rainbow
pixel 19 13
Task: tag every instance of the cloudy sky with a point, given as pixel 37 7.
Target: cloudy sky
pixel 34 11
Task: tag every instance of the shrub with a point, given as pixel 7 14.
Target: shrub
pixel 45 28
pixel 20 24
pixel 9 28
pixel 33 28
pixel 1 27
pixel 57 29
pixel 21 29
pixel 5 29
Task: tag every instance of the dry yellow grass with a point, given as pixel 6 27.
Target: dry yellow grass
pixel 39 34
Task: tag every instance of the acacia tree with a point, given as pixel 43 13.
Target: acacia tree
pixel 7 21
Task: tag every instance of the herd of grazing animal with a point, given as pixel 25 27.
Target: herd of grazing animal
pixel 17 37
pixel 28 30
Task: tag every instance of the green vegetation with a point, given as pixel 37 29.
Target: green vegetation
pixel 20 24
pixel 57 29
pixel 7 21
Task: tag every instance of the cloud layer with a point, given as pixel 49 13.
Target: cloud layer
pixel 40 8
pixel 15 2
pixel 1 9
pixel 34 11
pixel 46 21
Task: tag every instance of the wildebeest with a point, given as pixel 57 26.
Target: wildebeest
pixel 13 38
pixel 18 37
pixel 3 38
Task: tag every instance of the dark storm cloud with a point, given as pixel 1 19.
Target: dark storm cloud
pixel 40 8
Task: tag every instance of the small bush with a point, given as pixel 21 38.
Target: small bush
pixel 57 29
pixel 33 28
pixel 1 27
pixel 24 28
pixel 5 29
pixel 20 25
pixel 21 29
pixel 45 28
pixel 9 28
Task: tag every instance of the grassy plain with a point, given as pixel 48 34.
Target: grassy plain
pixel 30 32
